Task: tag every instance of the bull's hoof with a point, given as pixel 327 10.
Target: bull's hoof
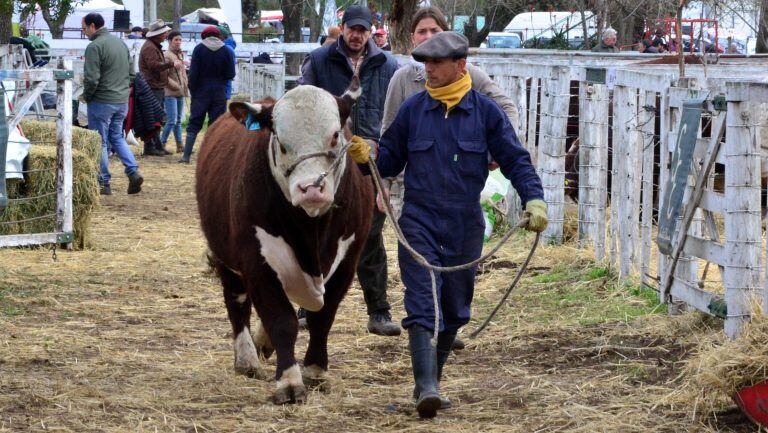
pixel 265 351
pixel 290 394
pixel 250 371
pixel 322 385
pixel 315 378
pixel 290 387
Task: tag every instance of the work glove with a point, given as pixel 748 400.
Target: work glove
pixel 359 150
pixel 536 211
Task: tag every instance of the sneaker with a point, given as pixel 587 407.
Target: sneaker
pixel 105 190
pixel 183 160
pixel 380 323
pixel 134 182
pixel 302 315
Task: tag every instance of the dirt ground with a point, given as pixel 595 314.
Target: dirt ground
pixel 132 335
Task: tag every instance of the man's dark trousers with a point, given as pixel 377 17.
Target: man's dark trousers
pixel 202 104
pixel 372 269
pixel 155 142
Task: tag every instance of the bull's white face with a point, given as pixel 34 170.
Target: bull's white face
pixel 306 120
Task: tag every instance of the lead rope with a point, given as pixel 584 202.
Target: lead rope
pixel 432 269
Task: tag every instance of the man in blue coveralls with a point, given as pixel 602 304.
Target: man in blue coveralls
pixel 442 137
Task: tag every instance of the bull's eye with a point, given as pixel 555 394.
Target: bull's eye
pixel 283 150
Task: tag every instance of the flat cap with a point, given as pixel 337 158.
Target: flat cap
pixel 442 45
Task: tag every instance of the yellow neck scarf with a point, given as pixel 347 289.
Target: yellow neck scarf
pixel 451 94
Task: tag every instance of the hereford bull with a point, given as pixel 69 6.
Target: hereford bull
pixel 277 234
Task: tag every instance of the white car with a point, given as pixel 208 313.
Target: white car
pixel 502 40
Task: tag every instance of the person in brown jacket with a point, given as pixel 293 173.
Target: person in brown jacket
pixel 175 91
pixel 155 68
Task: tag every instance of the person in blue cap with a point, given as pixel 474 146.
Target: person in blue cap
pixel 442 137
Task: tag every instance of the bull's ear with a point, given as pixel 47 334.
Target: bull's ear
pixel 261 112
pixel 348 99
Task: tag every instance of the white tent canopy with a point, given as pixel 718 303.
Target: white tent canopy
pixel 106 8
pixel 235 25
pixel 36 24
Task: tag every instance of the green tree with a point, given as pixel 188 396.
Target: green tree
pixel 54 12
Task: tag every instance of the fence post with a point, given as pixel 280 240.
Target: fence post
pixel 648 143
pixel 626 188
pixel 533 111
pixel 64 221
pixel 743 239
pixel 518 95
pixel 593 161
pixel 556 96
pixel 3 152
pixel 664 128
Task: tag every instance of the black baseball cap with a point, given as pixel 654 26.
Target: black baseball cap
pixel 357 16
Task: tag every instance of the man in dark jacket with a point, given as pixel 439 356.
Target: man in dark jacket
pixel 154 68
pixel 331 67
pixel 106 82
pixel 212 66
pixel 443 138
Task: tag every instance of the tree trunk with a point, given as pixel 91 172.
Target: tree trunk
pixel 316 20
pixel 584 26
pixel 55 25
pixel 497 16
pixel 292 33
pixel 6 21
pixel 762 31
pixel 146 13
pixel 400 25
pixel 177 15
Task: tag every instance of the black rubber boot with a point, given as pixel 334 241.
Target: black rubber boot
pixel 151 147
pixel 445 342
pixel 424 363
pixel 188 146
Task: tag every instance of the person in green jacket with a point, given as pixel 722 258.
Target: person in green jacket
pixel 106 87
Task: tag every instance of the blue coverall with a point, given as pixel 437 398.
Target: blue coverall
pixel 446 165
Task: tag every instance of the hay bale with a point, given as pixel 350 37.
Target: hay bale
pixel 85 194
pixel 723 367
pixel 44 133
pixel 570 221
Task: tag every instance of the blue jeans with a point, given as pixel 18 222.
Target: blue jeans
pixel 174 110
pixel 107 120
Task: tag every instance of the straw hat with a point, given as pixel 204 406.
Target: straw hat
pixel 157 28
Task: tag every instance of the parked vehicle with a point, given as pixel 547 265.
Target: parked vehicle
pixel 503 40
pixel 548 25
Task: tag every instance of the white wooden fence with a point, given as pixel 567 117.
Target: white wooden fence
pixel 37 79
pixel 624 232
pixel 259 80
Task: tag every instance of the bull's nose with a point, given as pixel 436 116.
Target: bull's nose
pixel 306 187
pixel 309 194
